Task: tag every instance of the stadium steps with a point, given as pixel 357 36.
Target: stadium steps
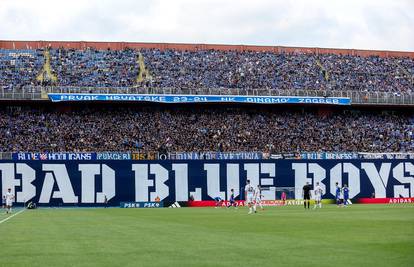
pixel 143 71
pixel 323 69
pixel 47 69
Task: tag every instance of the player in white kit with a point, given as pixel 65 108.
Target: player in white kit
pixel 257 198
pixel 9 201
pixel 318 192
pixel 249 194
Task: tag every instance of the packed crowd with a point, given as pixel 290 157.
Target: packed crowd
pixel 205 129
pixel 207 69
pixel 19 67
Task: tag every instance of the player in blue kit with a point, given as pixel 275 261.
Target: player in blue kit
pixel 338 194
pixel 345 191
pixel 232 201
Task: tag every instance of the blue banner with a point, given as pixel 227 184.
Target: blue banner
pixel 327 155
pixel 386 155
pixel 54 156
pixel 203 156
pixel 90 183
pixel 201 99
pixel 214 155
pixel 113 156
pixel 350 155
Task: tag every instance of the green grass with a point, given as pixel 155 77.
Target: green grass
pixel 361 235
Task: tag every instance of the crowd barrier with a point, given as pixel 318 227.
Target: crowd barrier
pixel 356 97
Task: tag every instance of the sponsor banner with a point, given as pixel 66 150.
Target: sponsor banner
pixel 113 156
pixel 265 203
pixel 287 202
pixel 214 155
pixel 54 156
pixel 141 205
pixel 68 182
pixel 145 156
pixel 212 203
pixel 292 202
pixel 56 97
pixel 396 200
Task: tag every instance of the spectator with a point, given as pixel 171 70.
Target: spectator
pixel 206 69
pixel 209 129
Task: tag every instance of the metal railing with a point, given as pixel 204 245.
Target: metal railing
pixel 357 97
pixel 5 155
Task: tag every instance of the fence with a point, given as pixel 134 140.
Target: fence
pixel 357 97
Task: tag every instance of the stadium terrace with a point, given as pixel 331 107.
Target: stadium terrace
pixel 128 65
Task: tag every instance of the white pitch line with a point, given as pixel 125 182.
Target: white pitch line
pixel 11 216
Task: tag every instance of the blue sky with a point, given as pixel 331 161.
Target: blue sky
pixel 360 24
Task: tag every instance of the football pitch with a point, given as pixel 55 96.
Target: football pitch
pixel 360 235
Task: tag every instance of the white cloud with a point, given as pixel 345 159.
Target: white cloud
pixel 364 24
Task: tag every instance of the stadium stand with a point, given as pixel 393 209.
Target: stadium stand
pixel 172 129
pixel 96 67
pixel 200 69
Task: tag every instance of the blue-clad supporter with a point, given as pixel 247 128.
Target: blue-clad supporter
pixel 198 70
pixel 208 129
